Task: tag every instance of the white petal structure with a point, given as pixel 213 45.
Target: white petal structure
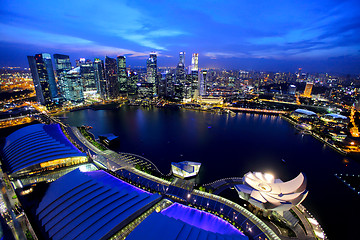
pixel 266 192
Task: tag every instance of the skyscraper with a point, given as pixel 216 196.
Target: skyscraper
pixel 40 79
pixel 51 77
pixel 73 90
pixel 62 63
pixel 195 62
pixel 62 66
pixel 133 80
pixel 100 77
pixel 182 57
pixel 88 78
pixel 122 74
pixel 308 89
pixel 151 68
pixel 111 78
pixel 202 82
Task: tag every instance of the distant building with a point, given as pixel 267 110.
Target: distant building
pixel 195 62
pixel 292 89
pixel 132 83
pixel 100 80
pixel 202 82
pixel 62 63
pixel 88 79
pixel 308 89
pixel 40 79
pixel 73 86
pixel 151 68
pixel 122 74
pixel 111 78
pixel 182 57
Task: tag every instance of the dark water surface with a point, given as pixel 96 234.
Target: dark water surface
pixel 230 146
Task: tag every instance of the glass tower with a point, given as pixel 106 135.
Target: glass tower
pixel 121 73
pixel 112 82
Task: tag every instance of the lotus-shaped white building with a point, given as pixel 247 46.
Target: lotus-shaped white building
pixel 266 192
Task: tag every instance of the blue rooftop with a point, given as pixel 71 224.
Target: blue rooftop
pixel 93 205
pixel 36 144
pixel 182 222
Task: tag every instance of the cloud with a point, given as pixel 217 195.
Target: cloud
pixel 49 40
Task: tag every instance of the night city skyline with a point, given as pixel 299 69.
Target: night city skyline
pixel 266 36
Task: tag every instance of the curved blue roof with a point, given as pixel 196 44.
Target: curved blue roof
pixel 93 205
pixel 182 222
pixel 304 111
pixel 36 144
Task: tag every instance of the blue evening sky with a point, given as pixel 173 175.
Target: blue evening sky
pixel 272 35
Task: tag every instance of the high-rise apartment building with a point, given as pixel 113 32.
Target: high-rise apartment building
pixel 111 78
pixel 122 74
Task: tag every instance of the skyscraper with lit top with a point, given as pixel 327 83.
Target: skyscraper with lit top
pixel 122 74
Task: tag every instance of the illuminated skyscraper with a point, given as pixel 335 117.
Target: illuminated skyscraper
pixel 121 73
pixel 195 62
pixel 111 78
pixel 100 77
pixel 43 76
pixel 202 81
pixel 62 63
pixel 133 80
pixel 73 90
pixel 308 89
pixel 182 57
pixel 88 78
pixel 151 68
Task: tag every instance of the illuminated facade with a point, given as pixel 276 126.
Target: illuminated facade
pixel 308 89
pixel 185 169
pixel 111 78
pixel 38 150
pixel 195 62
pixel 40 79
pixel 121 74
pixel 151 68
pixel 100 77
pixel 266 192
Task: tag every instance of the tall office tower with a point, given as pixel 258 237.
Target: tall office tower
pixel 194 83
pixel 292 89
pixel 202 81
pixel 151 72
pixel 88 79
pixel 182 57
pixel 100 77
pixel 62 66
pixel 133 81
pixel 73 90
pixel 111 78
pixel 50 72
pixel 169 79
pixel 151 68
pixel 180 73
pixel 44 86
pixel 40 83
pixel 62 63
pixel 122 74
pixel 195 62
pixel 308 89
pixel 299 74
